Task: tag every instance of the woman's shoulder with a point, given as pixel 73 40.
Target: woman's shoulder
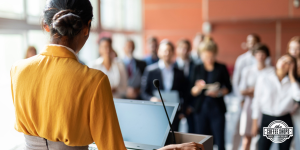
pixel 219 65
pixel 25 64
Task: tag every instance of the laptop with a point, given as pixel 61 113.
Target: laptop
pixel 143 124
pixel 168 96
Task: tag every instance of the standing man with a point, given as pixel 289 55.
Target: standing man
pixel 135 69
pixel 185 63
pixel 171 78
pixel 152 46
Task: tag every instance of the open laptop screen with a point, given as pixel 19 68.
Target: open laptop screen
pixel 144 123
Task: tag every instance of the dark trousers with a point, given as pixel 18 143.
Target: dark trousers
pixel 264 143
pixel 191 123
pixel 211 121
pixel 175 124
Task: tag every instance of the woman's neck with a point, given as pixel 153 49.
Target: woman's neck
pixel 209 67
pixel 64 42
pixel 280 74
pixel 261 65
pixel 107 62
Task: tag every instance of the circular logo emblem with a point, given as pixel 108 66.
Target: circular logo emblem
pixel 278 131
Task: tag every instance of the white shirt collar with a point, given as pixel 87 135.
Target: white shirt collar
pixel 162 66
pixel 68 48
pixel 181 62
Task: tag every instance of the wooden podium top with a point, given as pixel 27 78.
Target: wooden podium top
pixel 206 140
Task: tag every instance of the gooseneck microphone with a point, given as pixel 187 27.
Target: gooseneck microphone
pixel 156 84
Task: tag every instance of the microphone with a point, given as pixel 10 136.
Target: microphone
pixel 156 84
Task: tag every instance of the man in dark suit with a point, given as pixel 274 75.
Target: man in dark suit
pixel 171 78
pixel 186 64
pixel 135 69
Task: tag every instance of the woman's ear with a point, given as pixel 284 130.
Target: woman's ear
pixel 87 29
pixel 46 27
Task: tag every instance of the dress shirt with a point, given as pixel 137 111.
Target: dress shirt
pixel 59 99
pixel 244 60
pixel 167 75
pixel 116 74
pixel 272 97
pixel 184 65
pixel 130 61
pixel 250 75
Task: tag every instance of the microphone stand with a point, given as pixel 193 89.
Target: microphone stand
pixel 174 141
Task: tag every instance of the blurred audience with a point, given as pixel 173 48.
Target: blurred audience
pixel 247 86
pixel 112 67
pixel 31 51
pixel 135 69
pixel 194 53
pixel 152 46
pixel 171 78
pixel 185 63
pixel 274 95
pixel 211 83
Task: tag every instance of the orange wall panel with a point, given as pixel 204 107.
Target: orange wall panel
pixel 230 36
pixel 224 10
pixel 172 20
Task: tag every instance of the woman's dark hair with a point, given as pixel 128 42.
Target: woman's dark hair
pixel 261 48
pixel 185 41
pixel 67 17
pixel 294 60
pixel 256 37
pixel 107 39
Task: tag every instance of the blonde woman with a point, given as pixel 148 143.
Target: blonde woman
pixel 211 83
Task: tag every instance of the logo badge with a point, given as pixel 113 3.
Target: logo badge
pixel 278 131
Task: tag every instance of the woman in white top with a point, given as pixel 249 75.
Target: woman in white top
pixel 274 95
pixel 112 67
pixel 294 50
pixel 247 85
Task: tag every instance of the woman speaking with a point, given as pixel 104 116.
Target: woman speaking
pixel 61 104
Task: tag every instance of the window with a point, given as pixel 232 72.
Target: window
pixel 12 9
pixel 121 15
pixel 38 39
pixel 11 50
pixel 34 11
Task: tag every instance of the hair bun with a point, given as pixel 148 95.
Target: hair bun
pixel 67 23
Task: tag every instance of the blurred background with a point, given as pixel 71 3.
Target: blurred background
pixel 227 21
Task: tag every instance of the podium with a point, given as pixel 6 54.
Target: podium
pixel 205 140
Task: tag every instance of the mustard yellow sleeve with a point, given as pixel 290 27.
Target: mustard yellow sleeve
pixel 104 124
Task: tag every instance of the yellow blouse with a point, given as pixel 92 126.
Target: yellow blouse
pixel 57 98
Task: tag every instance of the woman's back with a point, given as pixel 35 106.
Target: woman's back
pixel 59 99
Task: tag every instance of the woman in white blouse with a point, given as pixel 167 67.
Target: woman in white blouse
pixel 247 85
pixel 112 67
pixel 274 95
